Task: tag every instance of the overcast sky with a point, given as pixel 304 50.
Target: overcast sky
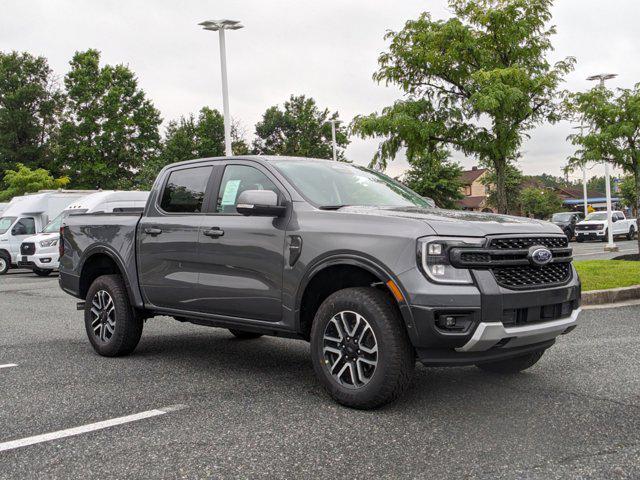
pixel 327 49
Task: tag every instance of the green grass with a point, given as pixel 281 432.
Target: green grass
pixel 604 274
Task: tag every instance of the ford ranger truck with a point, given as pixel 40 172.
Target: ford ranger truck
pixel 338 255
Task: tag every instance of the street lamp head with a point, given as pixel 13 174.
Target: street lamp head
pixel 603 76
pixel 224 24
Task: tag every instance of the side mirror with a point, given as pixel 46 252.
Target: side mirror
pixel 262 203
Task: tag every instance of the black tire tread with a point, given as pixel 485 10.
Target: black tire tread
pixel 128 325
pixel 401 364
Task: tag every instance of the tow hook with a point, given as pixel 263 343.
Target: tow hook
pixel 80 306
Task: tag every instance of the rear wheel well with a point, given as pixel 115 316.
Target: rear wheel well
pixel 328 281
pixel 94 267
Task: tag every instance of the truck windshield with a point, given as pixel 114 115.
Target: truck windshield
pixel 597 216
pixel 5 223
pixel 54 225
pixel 331 185
pixel 561 217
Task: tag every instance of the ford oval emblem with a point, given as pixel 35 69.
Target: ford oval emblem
pixel 540 255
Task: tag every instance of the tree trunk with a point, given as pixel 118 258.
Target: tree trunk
pixel 501 187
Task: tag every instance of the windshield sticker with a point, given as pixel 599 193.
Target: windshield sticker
pixel 230 192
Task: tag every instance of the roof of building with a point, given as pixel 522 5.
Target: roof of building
pixel 467 177
pixel 472 202
pixel 569 192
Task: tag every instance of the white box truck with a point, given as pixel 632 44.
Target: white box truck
pixel 40 252
pixel 27 215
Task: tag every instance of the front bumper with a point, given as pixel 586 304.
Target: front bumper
pixel 43 261
pixel 499 323
pixel 590 234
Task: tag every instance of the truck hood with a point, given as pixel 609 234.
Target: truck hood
pixel 461 223
pixel 41 236
pixel 591 222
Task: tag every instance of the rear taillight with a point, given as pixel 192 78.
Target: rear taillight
pixel 61 243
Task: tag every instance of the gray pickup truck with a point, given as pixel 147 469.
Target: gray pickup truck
pixel 336 254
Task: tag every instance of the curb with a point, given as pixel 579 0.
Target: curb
pixel 613 295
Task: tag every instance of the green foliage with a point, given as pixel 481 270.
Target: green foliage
pixel 540 202
pixel 628 192
pixel 30 105
pixel 512 184
pixel 300 129
pixel 25 180
pixel 110 129
pixel 597 184
pixel 476 83
pixel 437 178
pixel 615 135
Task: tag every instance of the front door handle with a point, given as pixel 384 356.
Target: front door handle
pixel 153 231
pixel 214 232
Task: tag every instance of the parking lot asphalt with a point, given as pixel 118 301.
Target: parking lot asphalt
pixel 594 250
pixel 253 409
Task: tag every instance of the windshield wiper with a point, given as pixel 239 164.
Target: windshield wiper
pixel 332 207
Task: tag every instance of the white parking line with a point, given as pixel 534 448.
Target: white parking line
pixel 8 365
pixel 69 432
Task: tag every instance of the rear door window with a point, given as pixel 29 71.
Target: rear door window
pixel 185 190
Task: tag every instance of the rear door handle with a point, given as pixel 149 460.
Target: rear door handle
pixel 214 232
pixel 153 231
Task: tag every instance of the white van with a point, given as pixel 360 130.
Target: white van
pixel 27 215
pixel 40 252
pixel 3 207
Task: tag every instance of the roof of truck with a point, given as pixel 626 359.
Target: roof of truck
pixel 267 158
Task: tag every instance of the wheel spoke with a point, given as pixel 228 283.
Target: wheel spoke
pixel 350 349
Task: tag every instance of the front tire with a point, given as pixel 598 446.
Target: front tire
pixel 512 365
pixel 579 239
pixel 360 350
pixel 5 263
pixel 112 326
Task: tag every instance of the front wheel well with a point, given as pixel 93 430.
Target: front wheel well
pixel 328 281
pixel 94 267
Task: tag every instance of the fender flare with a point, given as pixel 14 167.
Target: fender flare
pixel 104 249
pixel 372 265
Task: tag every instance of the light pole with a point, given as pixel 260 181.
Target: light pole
pixel 611 247
pixel 220 26
pixel 333 139
pixel 584 178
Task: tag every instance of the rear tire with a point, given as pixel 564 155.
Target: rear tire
pixel 42 272
pixel 632 233
pixel 112 326
pixel 5 263
pixel 606 236
pixel 242 335
pixel 512 365
pixel 375 357
pixel 579 239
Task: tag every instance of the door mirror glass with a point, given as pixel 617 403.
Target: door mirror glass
pixel 259 202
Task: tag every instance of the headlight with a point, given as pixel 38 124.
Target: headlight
pixel 599 226
pixel 433 257
pixel 49 243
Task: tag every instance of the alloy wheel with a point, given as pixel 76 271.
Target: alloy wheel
pixel 350 349
pixel 103 316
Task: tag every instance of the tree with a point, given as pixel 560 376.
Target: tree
pixel 540 202
pixel 476 83
pixel 615 135
pixel 300 129
pixel 628 193
pixel 437 178
pixel 512 185
pixel 25 180
pixel 190 137
pixel 111 128
pixel 30 106
pixel 597 184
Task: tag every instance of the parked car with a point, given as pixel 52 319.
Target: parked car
pixel 40 252
pixel 333 253
pixel 567 222
pixel 27 215
pixel 594 227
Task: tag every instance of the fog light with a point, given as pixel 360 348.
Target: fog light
pixel 454 321
pixel 45 260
